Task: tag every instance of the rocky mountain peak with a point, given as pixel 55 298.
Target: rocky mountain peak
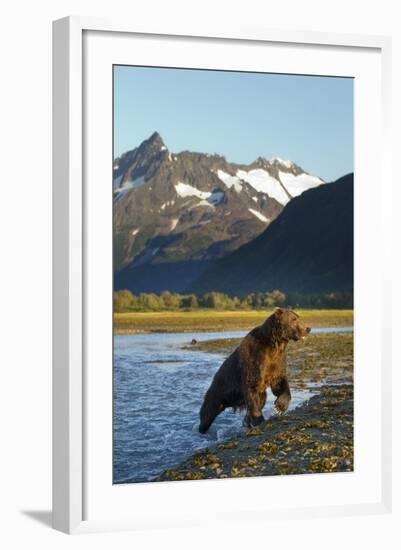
pixel 155 140
pixel 152 146
pixel 174 208
pixel 134 167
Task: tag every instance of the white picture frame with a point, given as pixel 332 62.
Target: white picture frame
pixel 70 285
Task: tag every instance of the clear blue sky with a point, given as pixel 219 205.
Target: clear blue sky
pixel 242 116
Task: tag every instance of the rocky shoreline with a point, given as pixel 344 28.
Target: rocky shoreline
pixel 315 437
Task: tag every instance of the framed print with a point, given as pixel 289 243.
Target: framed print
pixel 218 313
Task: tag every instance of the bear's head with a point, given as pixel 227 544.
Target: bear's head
pixel 287 325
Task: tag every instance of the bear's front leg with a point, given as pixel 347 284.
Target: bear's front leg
pixel 281 390
pixel 254 415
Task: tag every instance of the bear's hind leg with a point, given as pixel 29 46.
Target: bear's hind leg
pixel 210 409
pixel 263 397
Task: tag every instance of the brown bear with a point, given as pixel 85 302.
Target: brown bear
pixel 258 362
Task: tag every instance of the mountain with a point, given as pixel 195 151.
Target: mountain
pixel 176 214
pixel 308 248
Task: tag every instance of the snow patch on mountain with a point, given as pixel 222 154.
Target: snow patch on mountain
pixel 278 160
pixel 296 185
pixel 207 198
pixel 260 216
pixel 262 181
pixel 165 204
pixel 119 192
pixel 186 190
pixel 229 181
pixel 174 222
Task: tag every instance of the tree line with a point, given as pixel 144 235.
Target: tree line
pixel 126 301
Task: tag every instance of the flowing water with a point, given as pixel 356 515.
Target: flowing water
pixel 158 391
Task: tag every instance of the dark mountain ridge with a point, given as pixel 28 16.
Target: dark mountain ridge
pixel 307 248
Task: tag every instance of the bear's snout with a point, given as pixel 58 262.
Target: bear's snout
pixel 305 332
pixel 302 332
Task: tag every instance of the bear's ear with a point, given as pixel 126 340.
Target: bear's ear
pixel 278 311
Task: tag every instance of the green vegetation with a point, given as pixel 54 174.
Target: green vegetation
pixel 125 301
pixel 209 320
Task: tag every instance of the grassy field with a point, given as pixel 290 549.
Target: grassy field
pixel 208 320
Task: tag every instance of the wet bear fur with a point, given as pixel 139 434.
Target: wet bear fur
pixel 259 362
